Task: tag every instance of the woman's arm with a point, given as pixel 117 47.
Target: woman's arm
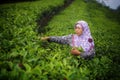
pixel 85 55
pixel 58 39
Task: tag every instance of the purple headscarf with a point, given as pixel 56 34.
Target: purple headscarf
pixel 85 40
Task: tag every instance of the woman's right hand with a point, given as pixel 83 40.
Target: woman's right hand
pixel 44 38
pixel 75 51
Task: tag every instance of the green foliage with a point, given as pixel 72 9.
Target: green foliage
pixel 24 57
pixel 104 29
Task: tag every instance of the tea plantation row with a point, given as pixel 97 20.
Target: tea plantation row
pixel 20 49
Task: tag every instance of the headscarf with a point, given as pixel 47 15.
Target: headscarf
pixel 85 40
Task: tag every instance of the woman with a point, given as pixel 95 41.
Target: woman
pixel 82 38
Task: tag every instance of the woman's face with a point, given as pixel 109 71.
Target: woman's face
pixel 78 30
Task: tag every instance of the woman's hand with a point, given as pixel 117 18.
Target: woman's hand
pixel 75 51
pixel 44 38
